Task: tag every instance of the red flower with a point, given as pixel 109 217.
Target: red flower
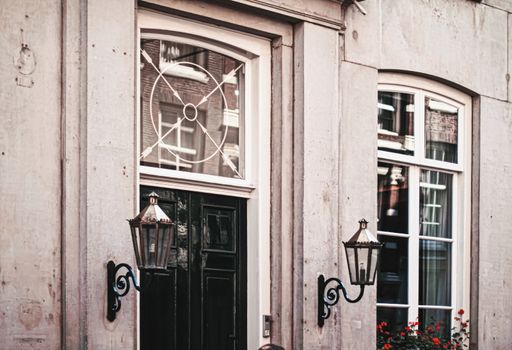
pixel 387 346
pixel 461 312
pixel 436 341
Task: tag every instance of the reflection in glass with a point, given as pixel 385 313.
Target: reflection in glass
pixel 395 317
pixel 435 204
pixel 392 282
pixel 441 131
pixel 396 122
pixel 435 267
pixel 219 230
pixel 149 245
pixel 191 109
pixel 433 317
pixel 392 198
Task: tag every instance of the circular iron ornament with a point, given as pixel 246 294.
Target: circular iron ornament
pixel 187 106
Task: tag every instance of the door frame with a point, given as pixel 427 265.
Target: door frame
pixel 257 187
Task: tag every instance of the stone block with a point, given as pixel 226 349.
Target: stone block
pixel 454 40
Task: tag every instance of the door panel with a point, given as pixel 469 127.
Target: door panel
pixel 200 303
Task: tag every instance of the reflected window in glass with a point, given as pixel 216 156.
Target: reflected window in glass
pixel 441 131
pixel 191 109
pixel 435 204
pixel 396 122
pixel 393 271
pixel 393 198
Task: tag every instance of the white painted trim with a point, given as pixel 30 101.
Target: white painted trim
pixel 419 123
pixel 393 234
pixel 398 306
pixel 200 178
pixel 412 161
pixel 194 186
pixel 256 185
pixel 414 83
pixel 414 242
pixel 435 307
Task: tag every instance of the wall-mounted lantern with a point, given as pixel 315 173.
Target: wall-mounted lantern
pixel 363 253
pixel 152 237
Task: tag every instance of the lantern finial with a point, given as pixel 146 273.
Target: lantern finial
pixel 153 198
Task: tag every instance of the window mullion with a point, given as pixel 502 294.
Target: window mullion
pixel 461 134
pixel 419 125
pixel 414 246
pixel 455 236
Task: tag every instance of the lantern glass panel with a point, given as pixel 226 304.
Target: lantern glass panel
pixel 164 245
pixel 351 262
pixel 362 265
pixel 136 244
pixel 373 267
pixel 149 238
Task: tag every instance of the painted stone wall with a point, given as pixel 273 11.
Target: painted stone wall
pixel 466 43
pixel 73 103
pixel 67 171
pixel 30 183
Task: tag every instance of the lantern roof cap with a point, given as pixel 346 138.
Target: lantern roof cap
pixel 363 236
pixel 152 213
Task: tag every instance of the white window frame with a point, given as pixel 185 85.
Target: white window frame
pixel 461 186
pixel 256 184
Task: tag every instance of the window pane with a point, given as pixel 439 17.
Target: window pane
pixel 396 318
pixel 435 204
pixel 434 318
pixel 191 109
pixel 392 198
pixel 392 282
pixel 435 273
pixel 441 131
pixel 396 122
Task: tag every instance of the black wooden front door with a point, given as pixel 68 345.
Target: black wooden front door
pixel 201 303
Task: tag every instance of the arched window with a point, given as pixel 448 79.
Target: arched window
pixel 424 139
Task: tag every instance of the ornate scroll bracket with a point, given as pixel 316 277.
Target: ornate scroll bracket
pixel 119 286
pixel 328 297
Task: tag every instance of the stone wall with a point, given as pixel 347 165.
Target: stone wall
pixel 68 155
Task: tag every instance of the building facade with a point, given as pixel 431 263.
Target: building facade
pixel 268 129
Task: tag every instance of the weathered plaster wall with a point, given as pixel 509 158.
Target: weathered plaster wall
pixel 469 44
pixel 30 185
pixel 90 124
pixel 461 41
pixel 358 184
pixel 316 157
pixel 71 210
pixel 495 302
pixel 109 186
